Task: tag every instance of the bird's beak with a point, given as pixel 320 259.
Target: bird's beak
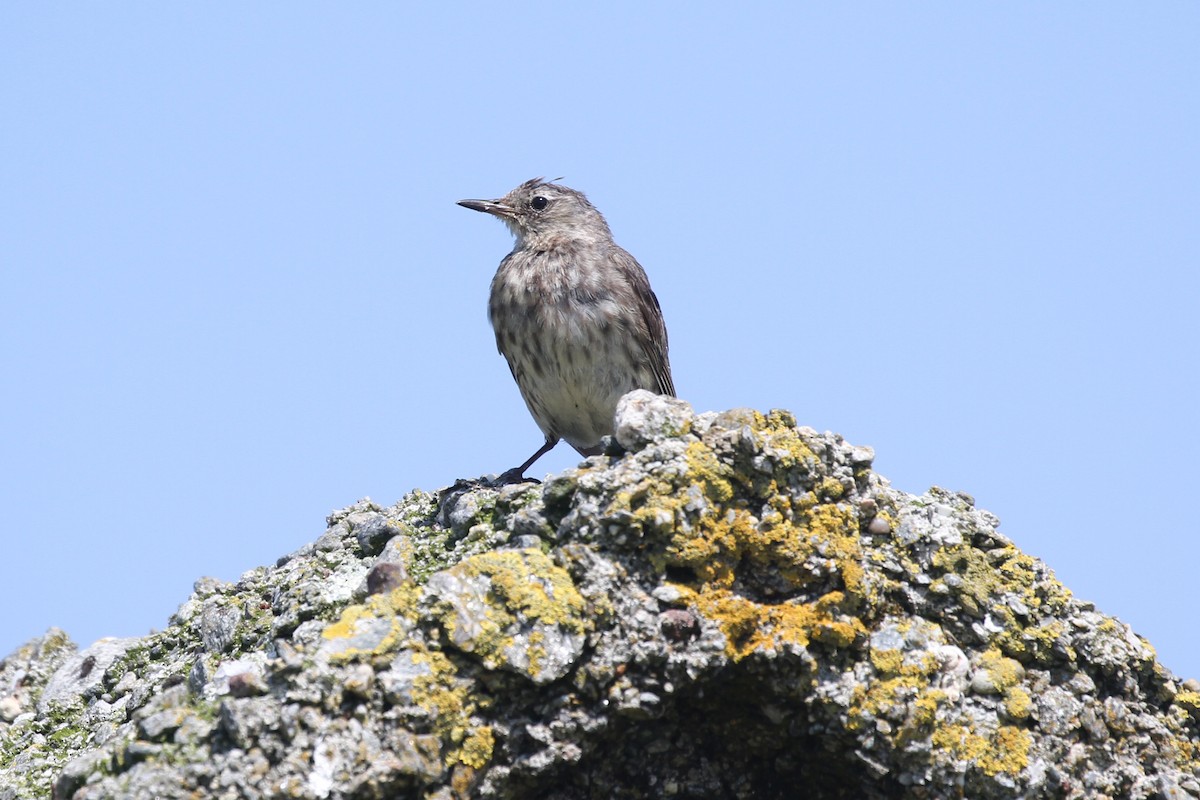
pixel 494 207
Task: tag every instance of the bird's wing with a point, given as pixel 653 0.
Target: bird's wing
pixel 652 332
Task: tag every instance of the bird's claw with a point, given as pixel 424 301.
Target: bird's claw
pixel 512 476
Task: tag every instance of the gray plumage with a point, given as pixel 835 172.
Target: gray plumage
pixel 574 316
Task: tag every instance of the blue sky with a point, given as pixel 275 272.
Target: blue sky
pixel 238 293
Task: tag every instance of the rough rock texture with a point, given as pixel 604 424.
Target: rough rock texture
pixel 724 606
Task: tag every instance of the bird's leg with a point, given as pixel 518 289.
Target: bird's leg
pixel 517 474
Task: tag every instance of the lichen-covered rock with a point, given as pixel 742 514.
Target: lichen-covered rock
pixel 723 606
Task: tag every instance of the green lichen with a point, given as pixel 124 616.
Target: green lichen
pixel 135 659
pixel 47 741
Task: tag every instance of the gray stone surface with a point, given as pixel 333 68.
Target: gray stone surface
pixel 724 606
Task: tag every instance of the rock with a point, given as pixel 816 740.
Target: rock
pixel 514 609
pixel 679 624
pixel 242 677
pixel 80 676
pixel 218 624
pixel 384 577
pixel 722 606
pixel 643 417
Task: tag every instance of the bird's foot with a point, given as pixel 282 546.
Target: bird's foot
pixel 514 475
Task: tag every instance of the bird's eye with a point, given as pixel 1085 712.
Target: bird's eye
pixel 539 203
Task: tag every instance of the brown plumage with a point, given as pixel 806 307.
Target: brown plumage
pixel 574 315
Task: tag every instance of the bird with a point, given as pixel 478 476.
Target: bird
pixel 574 316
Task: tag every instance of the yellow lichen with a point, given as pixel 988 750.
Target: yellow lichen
pixel 1017 703
pixel 709 472
pixel 887 661
pixel 782 440
pixel 1189 702
pixel 831 489
pixel 1035 642
pixel 722 540
pixel 397 606
pixel 1184 751
pixel 451 704
pixel 899 684
pixel 530 585
pixel 999 571
pixel 719 542
pixel 1006 751
pixel 925 706
pixel 752 627
pixel 834 532
pixel 1003 672
pixel 525 588
pixel 477 747
pixel 987 577
pixel 712 549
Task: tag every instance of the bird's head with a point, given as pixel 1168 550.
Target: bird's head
pixel 540 209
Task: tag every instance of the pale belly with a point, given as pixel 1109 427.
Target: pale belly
pixel 573 365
